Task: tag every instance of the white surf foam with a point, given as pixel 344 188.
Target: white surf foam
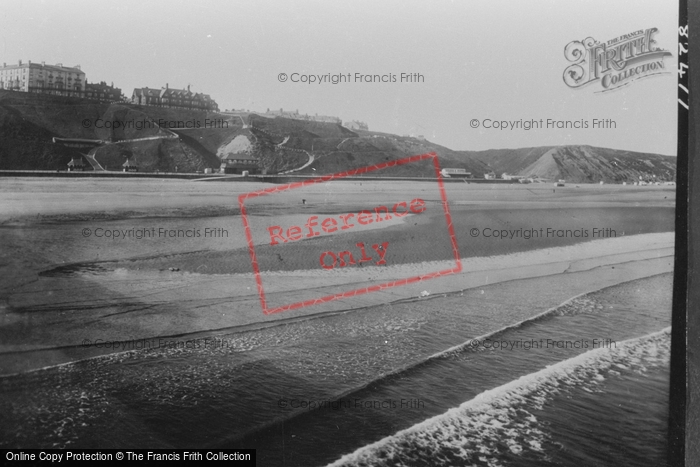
pixel 499 419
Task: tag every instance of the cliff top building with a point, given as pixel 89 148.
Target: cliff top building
pixel 297 116
pixel 103 92
pixel 40 77
pixel 169 97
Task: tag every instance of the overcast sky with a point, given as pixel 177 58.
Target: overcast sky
pixel 479 59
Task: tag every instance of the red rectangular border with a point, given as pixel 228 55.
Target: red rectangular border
pixel 251 247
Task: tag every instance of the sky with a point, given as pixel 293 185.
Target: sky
pixel 479 60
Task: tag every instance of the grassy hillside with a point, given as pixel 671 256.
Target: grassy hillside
pixel 583 164
pixel 511 161
pixel 336 149
pixel 59 116
pixel 26 146
pixel 28 122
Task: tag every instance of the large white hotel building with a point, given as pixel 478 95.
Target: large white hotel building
pixel 43 78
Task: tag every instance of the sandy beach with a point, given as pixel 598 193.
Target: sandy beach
pixel 62 288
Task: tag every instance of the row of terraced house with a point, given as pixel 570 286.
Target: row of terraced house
pixel 60 80
pixel 169 97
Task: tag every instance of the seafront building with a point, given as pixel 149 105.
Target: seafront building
pixel 55 79
pixel 506 176
pixel 103 92
pixel 294 114
pixel 42 78
pixel 460 173
pixel 239 163
pixel 76 164
pixel 130 166
pixel 174 98
pixel 60 80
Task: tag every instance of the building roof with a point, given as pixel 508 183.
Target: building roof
pixel 240 156
pixel 148 92
pixel 129 163
pixel 76 161
pixel 57 67
pixel 170 93
pixel 101 86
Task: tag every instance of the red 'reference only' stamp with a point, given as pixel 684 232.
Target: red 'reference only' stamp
pixel 374 254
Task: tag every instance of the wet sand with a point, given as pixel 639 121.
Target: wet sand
pixel 231 384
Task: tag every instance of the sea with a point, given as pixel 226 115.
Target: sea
pixel 457 379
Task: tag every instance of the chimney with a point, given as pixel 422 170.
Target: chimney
pixel 77 66
pixel 188 88
pixel 166 85
pixel 29 61
pixel 20 62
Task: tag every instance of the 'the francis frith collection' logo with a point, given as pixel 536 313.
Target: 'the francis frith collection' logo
pixel 615 63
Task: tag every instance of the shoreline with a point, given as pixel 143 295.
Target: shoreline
pixel 135 371
pixel 652 255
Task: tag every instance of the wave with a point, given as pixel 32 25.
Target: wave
pixel 580 303
pixel 500 422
